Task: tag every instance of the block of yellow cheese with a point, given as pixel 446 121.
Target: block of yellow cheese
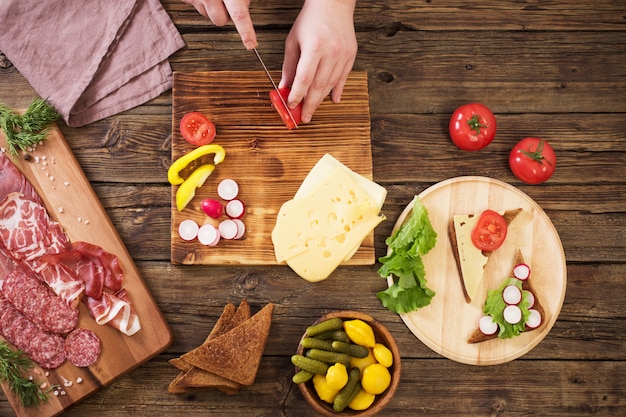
pixel 327 220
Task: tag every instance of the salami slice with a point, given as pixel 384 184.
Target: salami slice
pixel 37 302
pixel 47 349
pixel 82 347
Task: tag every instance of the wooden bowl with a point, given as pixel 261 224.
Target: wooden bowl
pixel 382 336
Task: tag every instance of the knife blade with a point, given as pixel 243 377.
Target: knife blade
pixel 269 76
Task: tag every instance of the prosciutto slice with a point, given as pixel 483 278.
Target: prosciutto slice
pixel 115 310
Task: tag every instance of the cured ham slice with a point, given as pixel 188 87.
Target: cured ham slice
pixel 115 310
pixel 14 181
pixel 107 301
pixel 26 230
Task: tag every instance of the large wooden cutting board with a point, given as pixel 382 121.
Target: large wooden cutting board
pixel 447 322
pixel 268 161
pixel 58 178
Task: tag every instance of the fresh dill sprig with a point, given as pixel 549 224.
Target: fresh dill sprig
pixel 27 130
pixel 13 365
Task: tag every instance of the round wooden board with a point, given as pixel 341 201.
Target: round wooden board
pixel 446 323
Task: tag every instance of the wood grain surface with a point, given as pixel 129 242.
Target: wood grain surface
pixel 268 161
pixel 58 178
pixel 549 68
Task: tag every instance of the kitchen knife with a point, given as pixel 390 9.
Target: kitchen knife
pixel 282 100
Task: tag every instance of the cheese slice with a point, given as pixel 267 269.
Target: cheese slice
pixel 324 225
pixel 330 179
pixel 315 236
pixel 471 259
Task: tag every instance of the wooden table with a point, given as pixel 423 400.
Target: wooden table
pixel 552 69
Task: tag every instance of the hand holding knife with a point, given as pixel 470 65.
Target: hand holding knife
pixel 269 76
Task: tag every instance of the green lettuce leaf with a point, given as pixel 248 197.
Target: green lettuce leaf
pixel 408 244
pixel 495 305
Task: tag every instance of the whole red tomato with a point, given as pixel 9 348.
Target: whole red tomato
pixel 472 126
pixel 532 160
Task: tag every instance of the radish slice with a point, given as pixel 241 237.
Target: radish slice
pixel 235 209
pixel 487 325
pixel 511 295
pixel 534 320
pixel 212 208
pixel 531 298
pixel 228 189
pixel 521 271
pixel 241 228
pixel 208 235
pixel 188 229
pixel 512 314
pixel 228 229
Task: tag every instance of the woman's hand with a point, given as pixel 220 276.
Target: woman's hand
pixel 221 11
pixel 319 53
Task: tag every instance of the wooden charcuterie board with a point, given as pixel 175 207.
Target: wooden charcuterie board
pixel 447 322
pixel 268 161
pixel 58 178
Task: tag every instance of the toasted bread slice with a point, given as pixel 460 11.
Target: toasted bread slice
pixel 477 336
pixel 235 355
pixel 192 378
pixel 471 261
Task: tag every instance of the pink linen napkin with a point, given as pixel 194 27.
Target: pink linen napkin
pixel 90 58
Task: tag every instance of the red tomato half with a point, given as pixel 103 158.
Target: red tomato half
pixel 532 160
pixel 197 129
pixel 490 231
pixel 472 127
pixel 282 110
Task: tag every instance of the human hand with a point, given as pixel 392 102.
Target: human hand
pixel 319 53
pixel 221 11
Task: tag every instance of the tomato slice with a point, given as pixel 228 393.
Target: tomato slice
pixel 197 129
pixel 490 231
pixel 282 110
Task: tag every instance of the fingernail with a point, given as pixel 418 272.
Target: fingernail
pixel 250 45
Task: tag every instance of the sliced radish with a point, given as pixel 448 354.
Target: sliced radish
pixel 521 271
pixel 534 319
pixel 512 314
pixel 212 208
pixel 241 228
pixel 228 189
pixel 235 209
pixel 511 294
pixel 487 325
pixel 208 235
pixel 228 229
pixel 531 298
pixel 188 229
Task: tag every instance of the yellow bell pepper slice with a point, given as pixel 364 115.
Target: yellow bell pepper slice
pixel 187 189
pixel 173 173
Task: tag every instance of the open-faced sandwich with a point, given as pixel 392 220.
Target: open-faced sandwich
pixel 473 238
pixel 512 308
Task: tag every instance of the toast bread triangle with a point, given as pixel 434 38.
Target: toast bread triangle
pixel 236 354
pixel 477 336
pixel 509 216
pixel 191 377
